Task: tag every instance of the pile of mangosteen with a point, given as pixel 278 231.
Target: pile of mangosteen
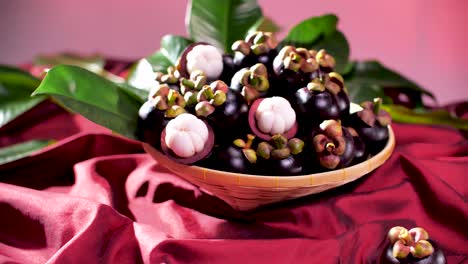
pixel 266 110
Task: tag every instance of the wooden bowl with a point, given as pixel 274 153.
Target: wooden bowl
pixel 245 192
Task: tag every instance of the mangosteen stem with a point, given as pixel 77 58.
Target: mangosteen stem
pixel 188 83
pixel 250 139
pixel 330 146
pixel 171 97
pixel 377 105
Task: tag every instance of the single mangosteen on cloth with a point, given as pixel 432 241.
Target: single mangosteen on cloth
pixel 201 57
pixel 411 247
pixel 187 139
pixel 333 145
pixel 280 156
pixel 271 116
pixel 322 99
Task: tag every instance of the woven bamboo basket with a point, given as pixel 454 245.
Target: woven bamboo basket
pixel 246 192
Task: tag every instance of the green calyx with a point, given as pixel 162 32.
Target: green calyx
pixel 280 147
pixel 172 76
pixel 256 78
pixel 257 43
pixel 246 147
pixel 298 59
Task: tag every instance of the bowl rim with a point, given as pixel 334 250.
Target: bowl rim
pixel 337 176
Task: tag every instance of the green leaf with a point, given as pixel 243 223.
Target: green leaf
pixel 16 87
pixel 159 62
pixel 220 23
pixel 307 32
pixel 437 117
pixel 171 48
pixel 92 96
pixel 21 150
pixel 368 78
pixel 94 63
pixel 12 109
pixel 265 24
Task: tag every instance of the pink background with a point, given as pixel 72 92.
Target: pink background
pixel 425 40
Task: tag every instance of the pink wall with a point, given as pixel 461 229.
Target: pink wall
pixel 423 39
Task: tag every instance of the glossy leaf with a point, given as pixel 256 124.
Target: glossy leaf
pixel 265 24
pixel 21 150
pixel 94 63
pixel 307 32
pixel 16 87
pixel 368 78
pixel 436 117
pixel 220 23
pixel 171 48
pixel 92 96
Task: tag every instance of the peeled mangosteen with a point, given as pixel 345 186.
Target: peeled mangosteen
pixel 187 139
pixel 203 57
pixel 271 116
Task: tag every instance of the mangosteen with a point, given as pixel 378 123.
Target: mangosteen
pixel 411 247
pixel 258 47
pixel 187 139
pixel 171 78
pixel 251 82
pixel 371 124
pixel 163 105
pixel 280 156
pixel 271 116
pixel 237 157
pixel 321 100
pixel 229 68
pixel 202 57
pixel 332 145
pixel 360 150
pixel 292 66
pixel 326 61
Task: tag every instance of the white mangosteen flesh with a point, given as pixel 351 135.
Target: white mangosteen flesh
pixel 207 59
pixel 186 135
pixel 275 115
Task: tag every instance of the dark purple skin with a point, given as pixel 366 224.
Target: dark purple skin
pixel 348 156
pixel 436 258
pixel 242 61
pixel 360 151
pixel 286 83
pixel 375 137
pixel 314 107
pixel 229 68
pixel 229 120
pixel 151 123
pixel 290 166
pixel 231 159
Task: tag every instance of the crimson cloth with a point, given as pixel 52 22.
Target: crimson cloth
pixel 93 197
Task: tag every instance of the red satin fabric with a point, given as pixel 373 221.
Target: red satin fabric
pixel 93 197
